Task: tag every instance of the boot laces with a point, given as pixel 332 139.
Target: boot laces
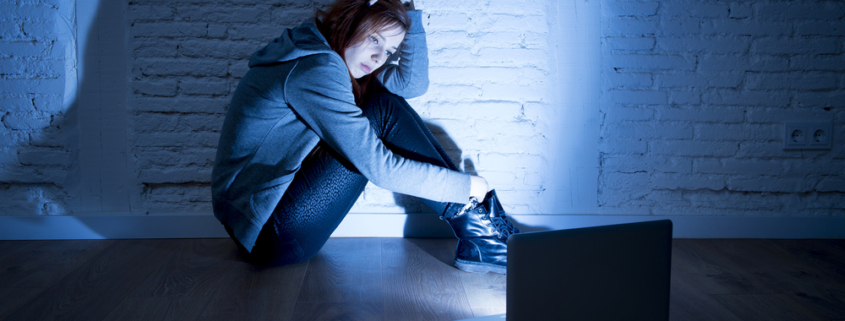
pixel 504 227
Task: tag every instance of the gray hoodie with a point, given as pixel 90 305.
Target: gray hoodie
pixel 296 93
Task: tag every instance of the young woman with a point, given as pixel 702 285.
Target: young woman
pixel 320 112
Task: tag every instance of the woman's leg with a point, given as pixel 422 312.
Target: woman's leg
pixel 405 134
pixel 327 186
pixel 315 203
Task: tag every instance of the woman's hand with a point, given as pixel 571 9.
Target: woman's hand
pixel 478 187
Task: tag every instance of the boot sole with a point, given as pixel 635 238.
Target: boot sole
pixel 475 267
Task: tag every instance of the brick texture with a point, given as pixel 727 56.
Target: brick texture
pixel 733 72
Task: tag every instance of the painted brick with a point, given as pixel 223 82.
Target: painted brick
pixel 649 131
pixel 155 49
pixel 25 49
pixel 770 184
pixel 700 80
pixel 160 139
pixel 821 28
pixel 755 149
pixel 204 86
pixel 817 63
pixel 828 45
pixel 831 184
pixel 448 39
pixel 827 10
pixel 473 110
pixel 696 45
pixel 628 26
pixel 820 99
pixel 635 97
pixel 169 30
pixel 513 57
pixel 745 132
pixel 179 104
pixel 731 166
pixel 618 114
pixel 745 28
pixel 623 147
pixel 684 97
pixel 695 10
pixel 648 62
pixel 768 63
pixel 155 87
pixel 630 44
pixel 154 122
pixel 739 11
pixel 32 86
pixel 617 80
pixel 175 175
pixel 778 115
pixel 756 98
pixel 42 156
pixel 693 148
pixel 674 181
pixel 181 67
pixel 633 164
pixel 16 105
pixel 217 31
pixel 217 49
pixel 513 92
pixel 261 33
pixel 716 115
pixel 683 27
pixel 507 162
pixel 629 9
pixel 149 13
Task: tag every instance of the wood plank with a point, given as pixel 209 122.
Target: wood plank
pixel 331 311
pixel 195 268
pixel 765 307
pixel 49 261
pixel 823 290
pixel 345 270
pixel 256 293
pixel 419 286
pixel 686 302
pixel 707 264
pixel 159 308
pixel 486 293
pixel 14 298
pixel 91 291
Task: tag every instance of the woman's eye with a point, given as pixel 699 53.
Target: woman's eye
pixel 374 39
pixel 388 53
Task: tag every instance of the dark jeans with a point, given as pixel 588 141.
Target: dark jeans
pixel 327 185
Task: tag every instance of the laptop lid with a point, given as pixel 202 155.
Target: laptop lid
pixel 614 272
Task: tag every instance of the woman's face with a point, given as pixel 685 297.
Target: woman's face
pixel 371 53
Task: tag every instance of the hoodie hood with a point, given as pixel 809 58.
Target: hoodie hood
pixel 295 43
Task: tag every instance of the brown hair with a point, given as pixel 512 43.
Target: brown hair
pixel 349 22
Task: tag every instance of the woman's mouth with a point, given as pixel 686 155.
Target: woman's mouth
pixel 366 69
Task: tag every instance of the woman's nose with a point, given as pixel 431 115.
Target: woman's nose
pixel 379 57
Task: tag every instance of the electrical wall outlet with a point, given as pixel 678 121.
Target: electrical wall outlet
pixel 808 135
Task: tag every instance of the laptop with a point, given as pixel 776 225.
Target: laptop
pixel 614 272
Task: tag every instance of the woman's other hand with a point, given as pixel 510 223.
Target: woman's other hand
pixel 478 187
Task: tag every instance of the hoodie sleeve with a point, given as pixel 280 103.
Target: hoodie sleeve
pixel 319 90
pixel 409 77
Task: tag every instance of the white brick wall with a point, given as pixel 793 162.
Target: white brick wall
pixel 688 115
pixel 34 152
pixel 694 94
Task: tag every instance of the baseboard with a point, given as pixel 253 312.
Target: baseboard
pixel 407 225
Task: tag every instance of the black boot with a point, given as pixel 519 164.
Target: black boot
pixel 482 231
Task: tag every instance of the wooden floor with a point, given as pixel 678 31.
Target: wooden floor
pixel 382 279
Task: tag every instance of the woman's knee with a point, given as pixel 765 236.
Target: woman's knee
pixel 385 108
